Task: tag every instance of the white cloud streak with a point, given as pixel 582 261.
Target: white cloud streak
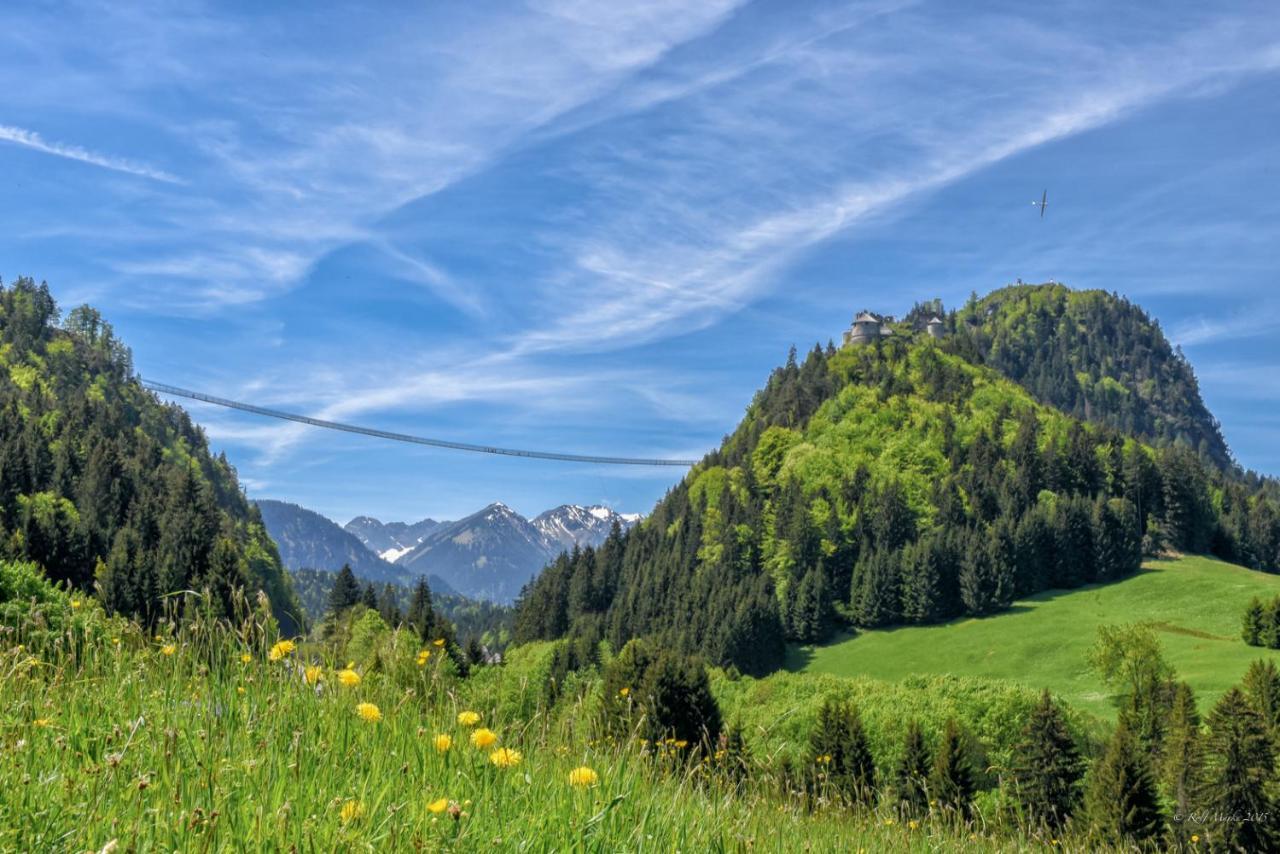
pixel 31 139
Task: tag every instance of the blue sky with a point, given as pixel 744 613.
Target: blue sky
pixel 596 227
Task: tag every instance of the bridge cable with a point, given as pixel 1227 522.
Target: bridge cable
pixel 164 388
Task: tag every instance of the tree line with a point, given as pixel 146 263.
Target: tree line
pixel 107 489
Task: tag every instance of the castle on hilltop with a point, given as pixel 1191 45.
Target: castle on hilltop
pixel 869 327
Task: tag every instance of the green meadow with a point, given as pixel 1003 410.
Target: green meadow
pixel 1194 603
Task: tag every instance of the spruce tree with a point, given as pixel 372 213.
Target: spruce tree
pixel 345 592
pixel 1270 636
pixel 369 597
pixel 678 700
pixel 1240 768
pixel 1047 765
pixel 840 753
pixel 951 778
pixel 1122 802
pixel 911 776
pixel 1252 629
pixel 921 580
pixel 877 592
pixel 389 606
pixel 475 652
pixel 1262 688
pixel 977 587
pixel 1181 763
pixel 421 616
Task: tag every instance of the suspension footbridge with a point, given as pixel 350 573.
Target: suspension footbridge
pixel 176 391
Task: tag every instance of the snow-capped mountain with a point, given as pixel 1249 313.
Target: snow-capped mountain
pixel 391 540
pixel 491 554
pixel 572 524
pixel 307 540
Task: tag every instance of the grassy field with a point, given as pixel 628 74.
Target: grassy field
pixel 195 740
pixel 1194 603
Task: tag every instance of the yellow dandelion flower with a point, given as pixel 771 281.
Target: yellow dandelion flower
pixel 439 806
pixel 443 743
pixel 483 738
pixel 312 674
pixel 913 824
pixel 1195 839
pixel 583 777
pixel 281 649
pixel 246 658
pixel 239 689
pixel 351 811
pixel 369 712
pixel 505 757
pixel 75 604
pixel 349 677
pixel 468 718
pixel 682 744
pixel 623 692
pixel 42 722
pixel 438 642
pixel 168 649
pixel 423 656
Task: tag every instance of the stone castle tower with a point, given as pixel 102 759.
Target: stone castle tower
pixel 869 327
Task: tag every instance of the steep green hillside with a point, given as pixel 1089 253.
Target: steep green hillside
pixel 899 482
pixel 103 485
pixel 1194 603
pixel 1095 356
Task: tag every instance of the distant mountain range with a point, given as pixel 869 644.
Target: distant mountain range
pixel 493 552
pixel 307 540
pixel 488 555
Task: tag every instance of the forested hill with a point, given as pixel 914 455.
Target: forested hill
pixel 892 483
pixel 1092 355
pixel 103 485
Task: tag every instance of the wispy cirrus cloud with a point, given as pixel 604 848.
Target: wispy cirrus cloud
pixel 1235 326
pixel 675 232
pixel 31 139
pixel 513 224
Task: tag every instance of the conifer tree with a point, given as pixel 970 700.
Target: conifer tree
pixel 421 616
pixel 1047 765
pixel 877 596
pixel 1252 629
pixel 475 652
pixel 369 597
pixel 951 778
pixel 1270 636
pixel 840 752
pixel 1181 764
pixel 678 700
pixel 388 606
pixel 922 580
pixel 1240 767
pixel 1122 802
pixel 1262 689
pixel 911 776
pixel 345 591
